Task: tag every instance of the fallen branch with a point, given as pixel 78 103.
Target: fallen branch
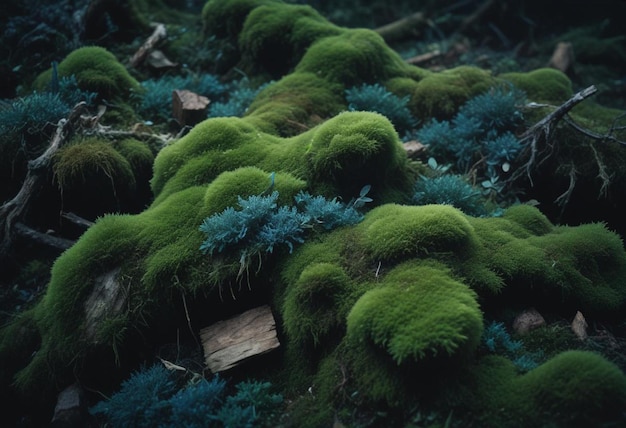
pixel 77 220
pixel 159 33
pixel 541 132
pixel 43 238
pixel 12 211
pixel 409 26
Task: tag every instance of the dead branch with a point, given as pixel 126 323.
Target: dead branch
pixel 43 238
pixel 608 137
pixel 84 224
pixel 405 27
pixel 476 16
pixel 12 211
pixel 159 33
pixel 541 131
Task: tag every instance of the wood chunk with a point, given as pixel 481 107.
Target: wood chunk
pixel 107 299
pixel 563 57
pixel 188 107
pixel 579 326
pixel 230 342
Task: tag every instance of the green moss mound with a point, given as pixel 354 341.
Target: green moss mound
pixel 420 312
pixel 530 218
pixel 542 85
pixel 396 232
pixel 96 70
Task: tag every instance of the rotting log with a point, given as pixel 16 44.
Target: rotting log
pixel 230 342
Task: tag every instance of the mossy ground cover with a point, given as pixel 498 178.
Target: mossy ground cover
pixel 379 321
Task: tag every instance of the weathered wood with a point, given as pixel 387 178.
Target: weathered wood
pixel 107 299
pixel 188 107
pixel 410 26
pixel 77 220
pixel 43 238
pixel 159 34
pixel 230 342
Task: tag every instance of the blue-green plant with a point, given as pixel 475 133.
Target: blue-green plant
pixel 482 130
pixel 260 225
pixel 237 103
pixel 497 340
pixel 155 101
pixel 378 99
pixel 449 189
pixel 151 397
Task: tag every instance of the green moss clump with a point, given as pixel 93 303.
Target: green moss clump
pixel 542 85
pixel 225 18
pixel 297 102
pixel 575 388
pixel 530 218
pixel 275 36
pixel 96 70
pixel 395 232
pixel 246 181
pixel 419 313
pixel 353 58
pixel 317 304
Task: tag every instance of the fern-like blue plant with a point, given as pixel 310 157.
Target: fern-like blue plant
pixel 497 340
pixel 378 99
pixel 449 189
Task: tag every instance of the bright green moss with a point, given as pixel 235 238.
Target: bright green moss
pixel 420 312
pixel 354 149
pixel 225 18
pixel 317 304
pixel 275 36
pixel 542 85
pixel 439 95
pixel 591 262
pixel 530 218
pixel 352 58
pixel 92 162
pixel 395 232
pixel 575 388
pixel 228 186
pixel 138 154
pixel 295 103
pixel 96 70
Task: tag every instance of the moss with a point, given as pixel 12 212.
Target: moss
pixel 419 313
pixel 93 177
pixel 225 189
pixel 275 36
pixel 18 341
pixel 316 305
pixel 296 103
pixel 352 58
pixel 394 232
pixel 439 95
pixel 530 218
pixel 96 70
pixel 542 85
pixel 354 149
pixel 574 388
pixel 225 18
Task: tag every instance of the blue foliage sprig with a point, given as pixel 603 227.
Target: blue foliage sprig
pixel 497 340
pixel 152 397
pixel 378 99
pixel 260 225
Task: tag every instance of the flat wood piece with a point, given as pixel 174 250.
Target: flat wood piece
pixel 230 342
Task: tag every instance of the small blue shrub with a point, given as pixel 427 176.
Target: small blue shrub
pixel 449 189
pixel 378 99
pixel 260 225
pixel 151 398
pixel 497 340
pixel 142 400
pixel 155 102
pixel 237 104
pixel 32 113
pixel 482 128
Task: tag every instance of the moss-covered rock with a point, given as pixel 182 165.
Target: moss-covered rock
pixel 542 85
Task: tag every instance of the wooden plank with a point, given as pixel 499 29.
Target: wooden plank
pixel 230 342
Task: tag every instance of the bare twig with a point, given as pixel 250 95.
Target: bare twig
pixel 409 26
pixel 159 33
pixel 12 211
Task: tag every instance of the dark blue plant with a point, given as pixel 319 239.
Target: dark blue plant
pixel 497 340
pixel 378 99
pixel 238 101
pixel 498 109
pixel 142 400
pixel 449 189
pixel 197 404
pixel 259 226
pixel 253 405
pixel 32 113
